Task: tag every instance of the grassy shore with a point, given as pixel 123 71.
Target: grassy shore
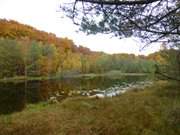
pixel 23 78
pixel 113 73
pixel 152 111
pixel 29 78
pixel 89 75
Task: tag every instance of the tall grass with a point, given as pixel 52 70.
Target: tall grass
pixel 152 111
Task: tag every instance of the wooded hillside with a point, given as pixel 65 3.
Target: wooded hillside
pixel 26 51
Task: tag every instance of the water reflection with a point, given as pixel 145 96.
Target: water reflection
pixel 15 96
pixel 12 98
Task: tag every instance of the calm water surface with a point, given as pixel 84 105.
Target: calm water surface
pixel 15 96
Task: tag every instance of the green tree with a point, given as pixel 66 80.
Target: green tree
pixel 171 68
pixel 11 60
pixel 34 56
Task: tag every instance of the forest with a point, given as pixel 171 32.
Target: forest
pixel 26 51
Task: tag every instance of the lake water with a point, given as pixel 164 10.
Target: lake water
pixel 15 96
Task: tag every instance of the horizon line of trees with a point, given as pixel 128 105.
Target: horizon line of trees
pixel 33 58
pixel 25 51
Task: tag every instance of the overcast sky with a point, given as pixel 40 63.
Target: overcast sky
pixel 43 15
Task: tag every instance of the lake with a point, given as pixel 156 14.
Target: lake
pixel 15 96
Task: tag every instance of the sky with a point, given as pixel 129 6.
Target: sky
pixel 43 15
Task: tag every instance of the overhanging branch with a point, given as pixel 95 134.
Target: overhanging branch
pixel 120 2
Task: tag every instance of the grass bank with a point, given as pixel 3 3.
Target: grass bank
pixel 152 111
pixel 113 73
pixel 23 78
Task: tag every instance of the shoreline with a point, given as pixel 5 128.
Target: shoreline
pixel 89 75
pixel 149 109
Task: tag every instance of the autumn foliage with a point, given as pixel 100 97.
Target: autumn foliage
pixel 26 51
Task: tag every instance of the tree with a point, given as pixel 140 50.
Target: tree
pixel 151 20
pixel 48 60
pixel 34 56
pixel 171 68
pixel 11 60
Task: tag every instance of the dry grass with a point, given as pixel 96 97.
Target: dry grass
pixel 152 111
